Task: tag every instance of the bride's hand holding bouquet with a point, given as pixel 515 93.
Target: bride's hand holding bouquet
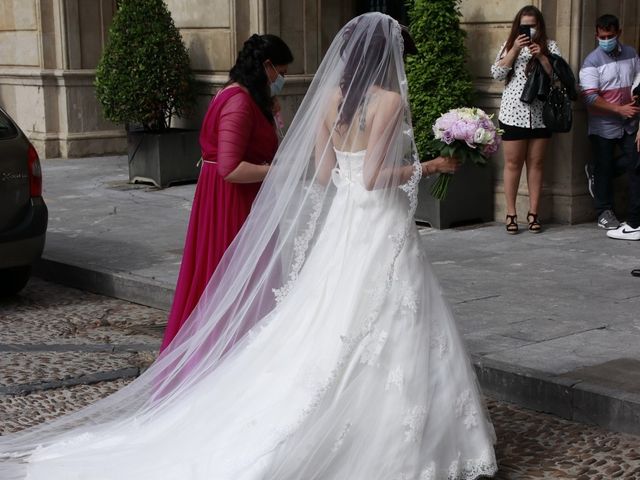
pixel 467 134
pixel 447 165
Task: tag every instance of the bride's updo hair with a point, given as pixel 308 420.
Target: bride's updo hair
pixel 366 56
pixel 249 70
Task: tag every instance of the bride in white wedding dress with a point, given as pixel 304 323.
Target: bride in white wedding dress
pixel 322 348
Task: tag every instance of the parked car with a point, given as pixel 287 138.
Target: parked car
pixel 23 213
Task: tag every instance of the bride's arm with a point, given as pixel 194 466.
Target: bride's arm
pixel 386 122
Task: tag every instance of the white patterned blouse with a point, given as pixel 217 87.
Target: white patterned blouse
pixel 512 111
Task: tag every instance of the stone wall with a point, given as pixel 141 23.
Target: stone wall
pixel 49 50
pixel 215 37
pixel 48 53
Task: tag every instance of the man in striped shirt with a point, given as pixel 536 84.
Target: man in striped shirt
pixel 606 79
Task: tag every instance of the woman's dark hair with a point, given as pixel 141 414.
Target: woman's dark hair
pixel 249 70
pixel 540 37
pixel 365 66
pixel 608 23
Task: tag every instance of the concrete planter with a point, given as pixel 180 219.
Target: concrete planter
pixel 469 200
pixel 163 158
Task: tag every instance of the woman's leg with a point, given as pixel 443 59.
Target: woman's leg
pixel 515 154
pixel 535 161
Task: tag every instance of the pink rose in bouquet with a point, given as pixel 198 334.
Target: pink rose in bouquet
pixel 467 134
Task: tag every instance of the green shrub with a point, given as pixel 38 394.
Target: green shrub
pixel 437 74
pixel 144 76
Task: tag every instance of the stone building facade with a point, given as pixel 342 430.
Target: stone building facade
pixel 49 50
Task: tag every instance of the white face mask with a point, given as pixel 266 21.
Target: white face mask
pixel 278 84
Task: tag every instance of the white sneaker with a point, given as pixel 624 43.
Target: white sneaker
pixel 624 232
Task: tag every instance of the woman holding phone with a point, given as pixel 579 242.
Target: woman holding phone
pixel 525 135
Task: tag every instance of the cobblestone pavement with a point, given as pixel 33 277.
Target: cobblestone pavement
pixel 62 349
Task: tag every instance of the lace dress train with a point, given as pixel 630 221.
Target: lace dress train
pixel 358 373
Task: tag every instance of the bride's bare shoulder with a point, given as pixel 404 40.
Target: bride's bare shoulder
pixel 388 101
pixel 387 96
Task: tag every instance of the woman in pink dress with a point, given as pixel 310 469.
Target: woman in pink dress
pixel 238 140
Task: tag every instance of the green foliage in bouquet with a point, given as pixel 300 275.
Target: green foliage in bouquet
pixel 437 74
pixel 144 76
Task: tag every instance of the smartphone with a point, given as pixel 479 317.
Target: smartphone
pixel 525 30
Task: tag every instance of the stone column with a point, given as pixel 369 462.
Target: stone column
pixel 20 63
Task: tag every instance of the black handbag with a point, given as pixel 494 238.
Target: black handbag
pixel 557 113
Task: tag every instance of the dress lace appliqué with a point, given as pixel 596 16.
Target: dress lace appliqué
pixel 466 410
pixel 414 423
pixel 408 300
pixel 301 243
pixel 428 473
pixel 471 469
pixel 440 344
pixel 395 379
pixel 340 440
pixel 372 346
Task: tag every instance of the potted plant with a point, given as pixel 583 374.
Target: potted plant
pixel 438 82
pixel 143 80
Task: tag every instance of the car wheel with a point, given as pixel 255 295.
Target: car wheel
pixel 12 280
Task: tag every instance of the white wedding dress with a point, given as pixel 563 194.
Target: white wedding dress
pixel 358 373
pixel 322 347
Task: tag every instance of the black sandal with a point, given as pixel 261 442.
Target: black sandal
pixel 534 224
pixel 512 225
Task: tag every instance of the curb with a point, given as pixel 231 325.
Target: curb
pixel 572 399
pixel 123 285
pixel 26 388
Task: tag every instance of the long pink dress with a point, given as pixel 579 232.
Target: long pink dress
pixel 234 130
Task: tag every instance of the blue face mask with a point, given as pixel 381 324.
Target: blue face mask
pixel 609 44
pixel 278 84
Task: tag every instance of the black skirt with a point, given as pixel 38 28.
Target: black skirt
pixel 519 133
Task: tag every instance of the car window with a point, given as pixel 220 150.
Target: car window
pixel 7 129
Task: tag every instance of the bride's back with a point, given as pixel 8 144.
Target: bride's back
pixel 365 101
pixel 369 84
pixel 377 106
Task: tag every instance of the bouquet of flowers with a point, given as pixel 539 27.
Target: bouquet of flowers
pixel 467 134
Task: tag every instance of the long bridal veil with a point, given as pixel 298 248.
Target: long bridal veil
pixel 361 74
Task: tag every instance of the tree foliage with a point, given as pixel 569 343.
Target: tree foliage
pixel 437 74
pixel 144 76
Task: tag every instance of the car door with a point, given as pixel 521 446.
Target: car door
pixel 14 174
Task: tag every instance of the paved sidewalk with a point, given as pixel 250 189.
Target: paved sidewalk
pixel 552 321
pixel 111 237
